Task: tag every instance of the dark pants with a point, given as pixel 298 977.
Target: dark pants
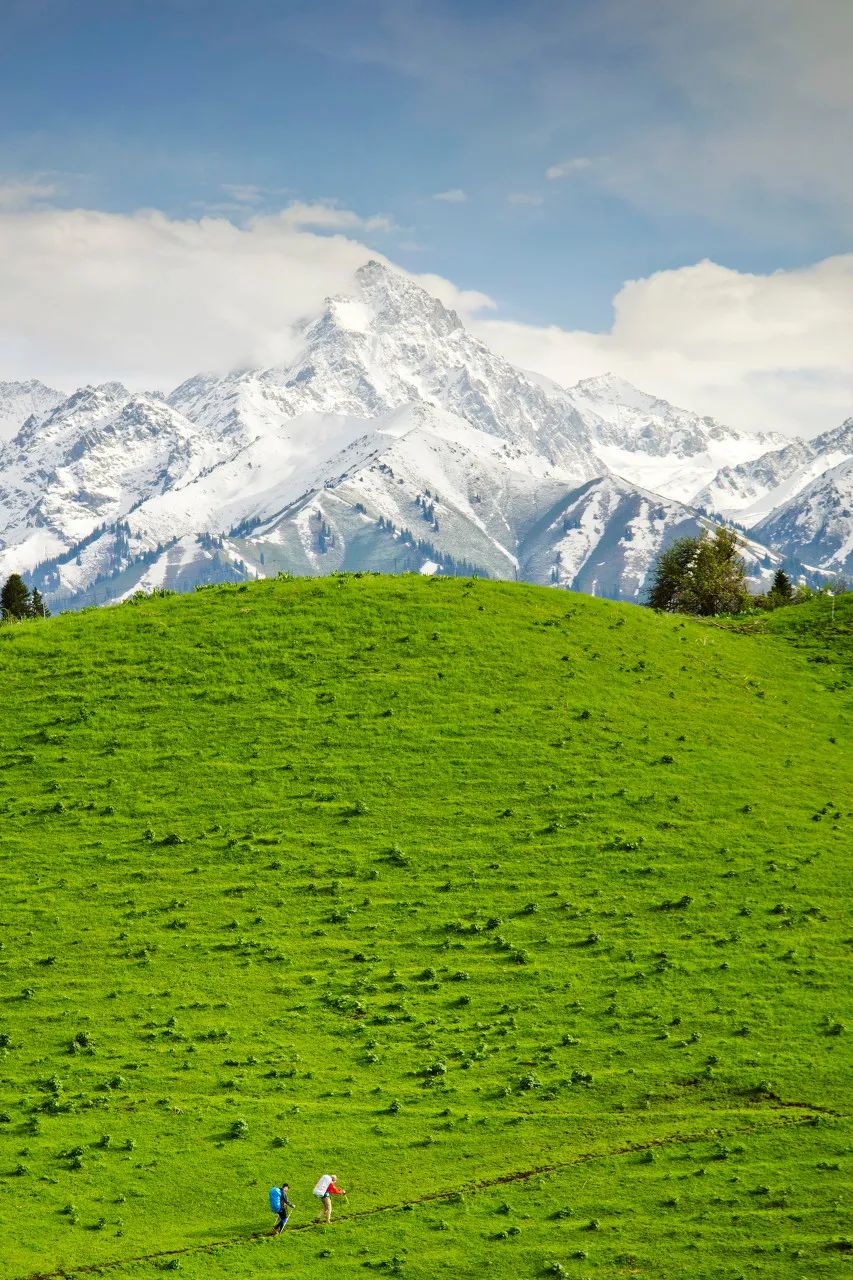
pixel 282 1219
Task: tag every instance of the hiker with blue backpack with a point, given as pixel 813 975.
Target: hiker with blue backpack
pixel 280 1203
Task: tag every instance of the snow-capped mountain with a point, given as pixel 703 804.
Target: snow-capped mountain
pixel 816 525
pixel 603 538
pixel 22 400
pixel 97 455
pixel 669 450
pixel 377 504
pixel 750 491
pixel 395 440
pixel 389 346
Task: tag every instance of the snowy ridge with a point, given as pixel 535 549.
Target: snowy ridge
pixel 750 491
pixel 22 400
pixel 816 525
pixel 396 440
pixel 390 346
pixel 422 488
pixel 95 457
pixel 669 450
pixel 603 538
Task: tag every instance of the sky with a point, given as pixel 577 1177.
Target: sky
pixel 654 187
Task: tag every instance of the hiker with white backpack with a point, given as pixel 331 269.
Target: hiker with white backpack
pixel 324 1190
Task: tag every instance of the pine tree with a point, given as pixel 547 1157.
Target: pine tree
pixel 702 576
pixel 38 608
pixel 15 598
pixel 782 590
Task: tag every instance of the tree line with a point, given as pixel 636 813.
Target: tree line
pixel 18 602
pixel 706 575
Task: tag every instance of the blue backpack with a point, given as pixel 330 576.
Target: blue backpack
pixel 275 1199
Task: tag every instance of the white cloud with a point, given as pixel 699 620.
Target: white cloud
pixel 328 216
pixel 150 300
pixel 455 196
pixel 467 302
pixel 763 351
pixel 147 299
pixel 244 192
pixel 566 168
pixel 524 198
pixel 20 193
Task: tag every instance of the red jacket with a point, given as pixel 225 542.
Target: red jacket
pixel 332 1190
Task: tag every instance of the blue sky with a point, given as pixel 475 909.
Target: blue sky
pixel 381 106
pixel 543 152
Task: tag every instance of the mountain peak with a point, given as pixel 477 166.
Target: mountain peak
pixel 394 299
pixel 610 387
pixel 95 394
pixel 374 275
pixel 22 400
pixel 373 269
pixel 28 384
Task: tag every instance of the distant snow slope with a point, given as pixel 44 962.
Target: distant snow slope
pixel 22 400
pixel 417 490
pixel 603 539
pixel 672 451
pixel 94 458
pixel 395 440
pixel 750 491
pixel 816 526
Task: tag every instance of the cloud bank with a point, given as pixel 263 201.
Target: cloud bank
pixel 762 351
pixel 150 300
pixel 22 193
pixel 147 299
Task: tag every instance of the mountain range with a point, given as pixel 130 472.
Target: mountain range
pixel 395 441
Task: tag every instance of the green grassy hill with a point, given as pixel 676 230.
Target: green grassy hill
pixel 520 911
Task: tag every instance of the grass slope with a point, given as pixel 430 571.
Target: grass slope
pixel 519 910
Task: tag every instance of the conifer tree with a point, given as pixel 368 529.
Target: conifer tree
pixel 703 576
pixel 38 608
pixel 15 598
pixel 781 591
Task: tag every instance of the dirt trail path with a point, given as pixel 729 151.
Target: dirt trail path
pixel 806 1113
